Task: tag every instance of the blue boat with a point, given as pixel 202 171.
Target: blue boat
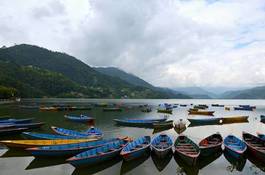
pixel 92 132
pixel 136 148
pixel 138 122
pixel 40 136
pixel 162 145
pixel 81 118
pixel 97 155
pixel 16 121
pixel 235 146
pixel 24 125
pixel 70 149
pixel 244 108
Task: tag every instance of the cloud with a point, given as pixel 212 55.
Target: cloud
pixel 169 43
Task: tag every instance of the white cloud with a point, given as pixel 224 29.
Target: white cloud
pixel 168 43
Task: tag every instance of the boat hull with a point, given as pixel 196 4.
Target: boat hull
pixel 136 154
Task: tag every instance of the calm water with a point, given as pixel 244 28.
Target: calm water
pixel 19 163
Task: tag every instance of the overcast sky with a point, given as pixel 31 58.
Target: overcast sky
pixel 168 43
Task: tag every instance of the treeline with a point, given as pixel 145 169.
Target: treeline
pixel 7 92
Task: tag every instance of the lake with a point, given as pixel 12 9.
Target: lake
pixel 20 163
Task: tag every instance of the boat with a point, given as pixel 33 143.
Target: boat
pixel 80 118
pixel 243 108
pixel 137 148
pixel 112 109
pixel 163 124
pixel 187 150
pixel 160 163
pixel 138 122
pixel 161 145
pixel 211 144
pixel 44 108
pixel 24 125
pixel 183 105
pixel 167 111
pixel 70 149
pixel 16 121
pixel 217 105
pixel 36 143
pixel 235 146
pixel 261 136
pixel 205 121
pixel 92 132
pixel 227 108
pixel 97 155
pixel 234 119
pixel 41 136
pixel 200 106
pixel 256 146
pixel 200 112
pixel 11 131
pixel 180 126
pixel 262 118
pixel 247 106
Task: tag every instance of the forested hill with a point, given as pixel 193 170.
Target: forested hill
pixel 38 72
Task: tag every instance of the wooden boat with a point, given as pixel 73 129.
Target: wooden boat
pixel 140 122
pixel 262 118
pixel 187 150
pixel 146 109
pixel 36 143
pixel 16 121
pixel 70 149
pixel 200 106
pixel 167 111
pixel 211 144
pixel 81 118
pixel 163 124
pixel 200 112
pixel 235 146
pixel 256 145
pixel 161 145
pixel 92 132
pixel 247 106
pixel 6 126
pixel 97 155
pixel 24 125
pixel 11 131
pixel 234 119
pixel 183 105
pixel 112 109
pixel 40 136
pixel 180 126
pixel 137 148
pixel 261 136
pixel 205 121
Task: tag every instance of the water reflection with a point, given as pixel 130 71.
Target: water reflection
pixel 204 161
pixel 256 162
pixel 161 163
pixel 16 153
pixel 44 162
pixel 185 168
pixel 127 166
pixel 236 163
pixel 96 168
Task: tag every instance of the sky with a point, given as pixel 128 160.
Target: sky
pixel 169 43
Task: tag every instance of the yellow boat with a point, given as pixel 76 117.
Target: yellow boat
pixel 167 111
pixel 235 119
pixel 36 143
